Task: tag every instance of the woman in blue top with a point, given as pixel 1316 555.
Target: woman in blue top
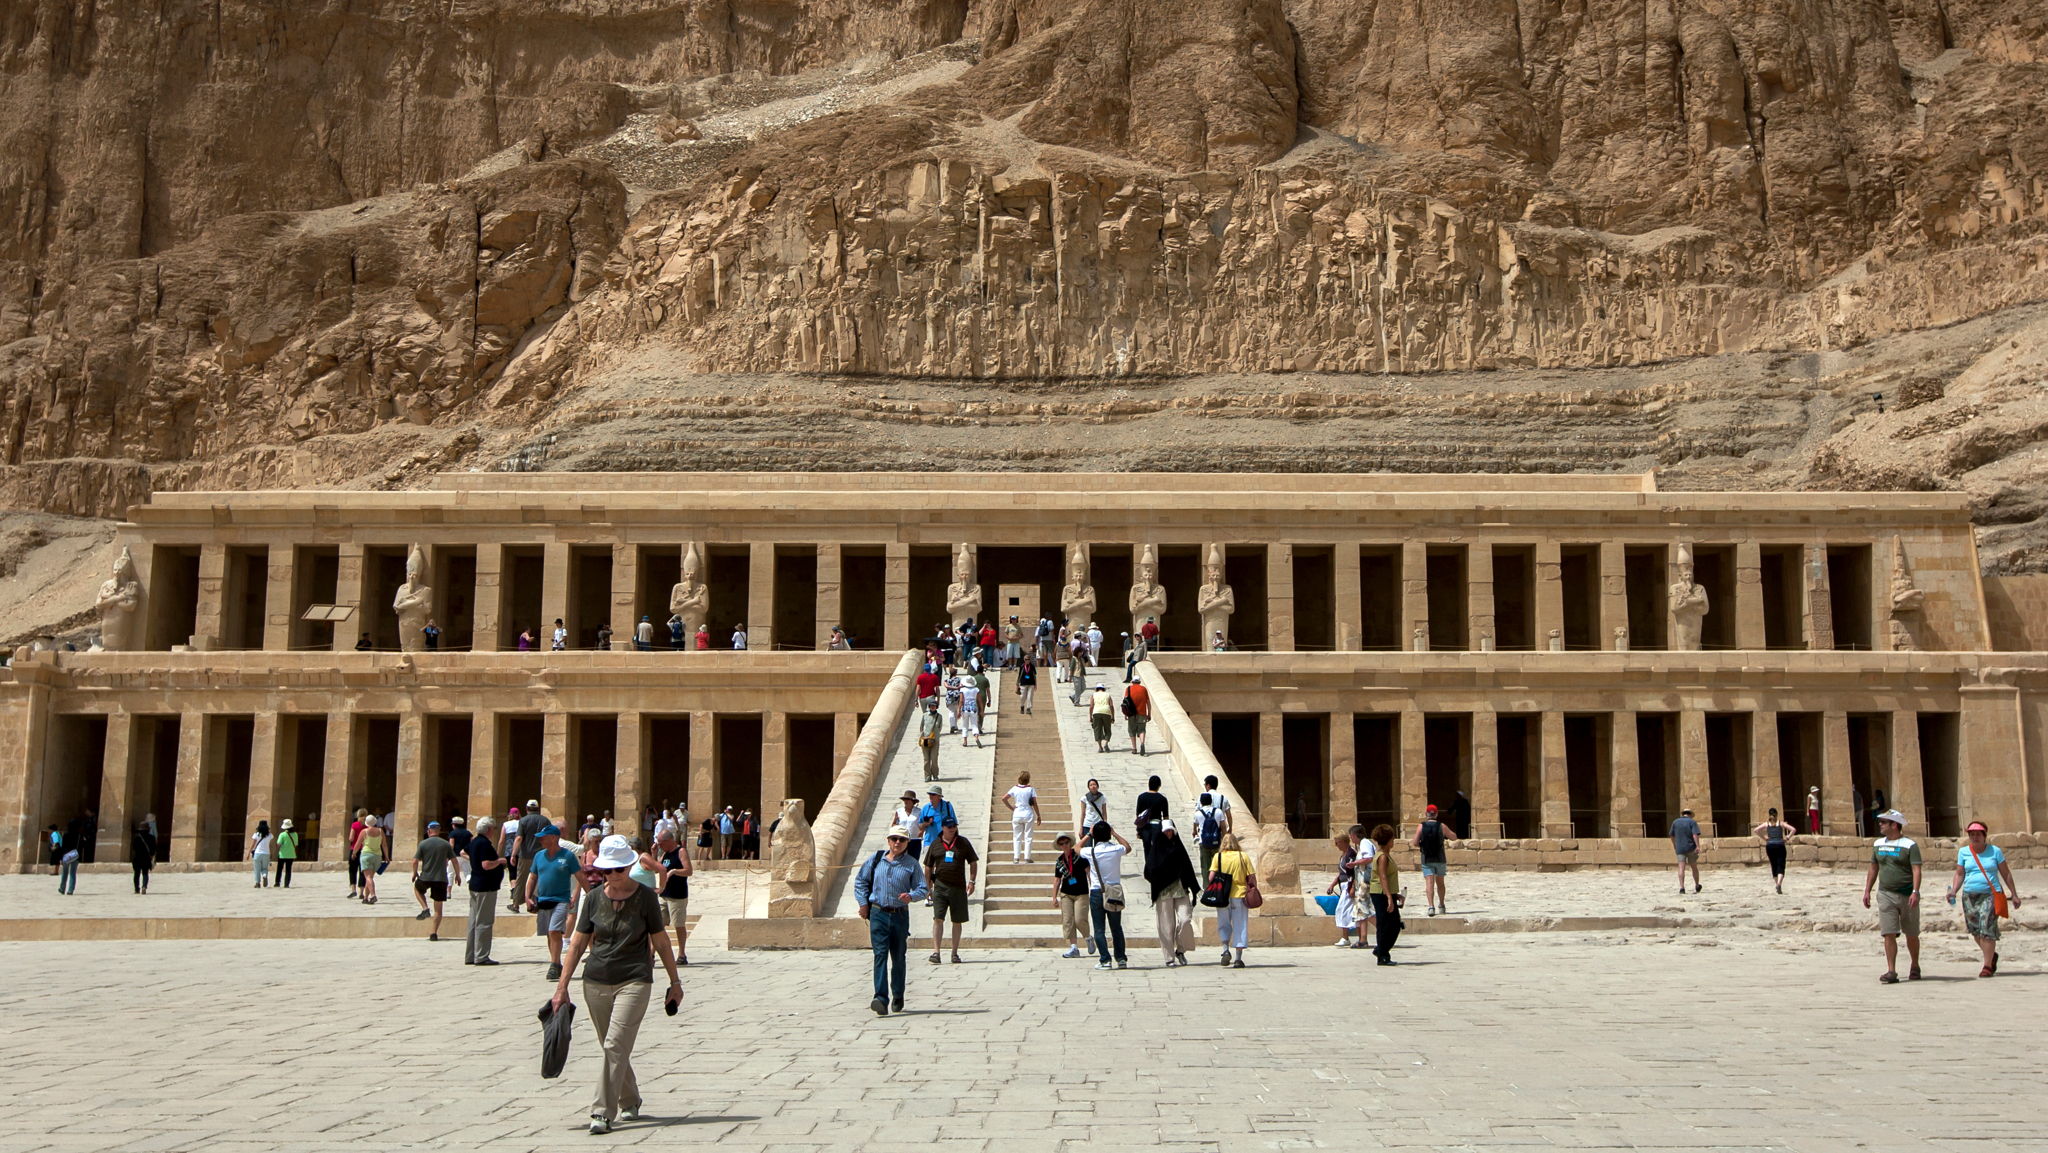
pixel 1980 871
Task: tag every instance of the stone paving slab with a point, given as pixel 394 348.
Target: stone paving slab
pixel 1743 1040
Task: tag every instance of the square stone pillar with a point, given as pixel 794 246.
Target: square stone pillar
pixel 774 769
pixel 1625 777
pixel 1909 791
pixel 554 602
pixel 343 773
pixel 277 598
pixel 1695 788
pixel 1549 594
pixel 1818 625
pixel 116 764
pixel 845 732
pixel 895 598
pixel 187 804
pixel 1749 599
pixel 626 610
pixel 1342 787
pixel 830 597
pixel 1486 822
pixel 554 768
pixel 1766 772
pixel 348 590
pixel 266 772
pixel 489 602
pixel 1479 623
pixel 1350 601
pixel 1280 598
pixel 1993 786
pixel 1414 594
pixel 1556 812
pixel 1613 593
pixel 1272 782
pixel 761 597
pixel 490 778
pixel 213 583
pixel 1414 769
pixel 1837 783
pixel 703 764
pixel 26 749
pixel 631 780
pixel 410 804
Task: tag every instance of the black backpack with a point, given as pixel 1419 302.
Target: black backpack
pixel 1130 710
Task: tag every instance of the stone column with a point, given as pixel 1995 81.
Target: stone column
pixel 626 610
pixel 703 764
pixel 1749 600
pixel 27 725
pixel 774 769
pixel 213 583
pixel 554 766
pixel 1414 769
pixel 1549 594
pixel 1556 811
pixel 1908 792
pixel 845 731
pixel 490 593
pixel 1613 592
pixel 1993 787
pixel 341 789
pixel 188 802
pixel 348 590
pixel 1818 626
pixel 490 778
pixel 1486 822
pixel 1625 777
pixel 1837 783
pixel 1272 782
pixel 554 604
pixel 895 598
pixel 631 783
pixel 830 597
pixel 1279 598
pixel 1414 591
pixel 277 598
pixel 410 802
pixel 1479 597
pixel 1342 787
pixel 116 763
pixel 1695 788
pixel 1350 601
pixel 266 772
pixel 1766 772
pixel 761 597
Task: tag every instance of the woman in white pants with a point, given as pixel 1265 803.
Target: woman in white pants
pixel 1233 921
pixel 1023 802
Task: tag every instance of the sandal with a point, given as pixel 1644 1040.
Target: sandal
pixel 934 958
pixel 1888 979
pixel 956 958
pixel 1986 971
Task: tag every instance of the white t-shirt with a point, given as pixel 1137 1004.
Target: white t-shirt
pixel 1104 862
pixel 262 843
pixel 739 640
pixel 970 697
pixel 561 638
pixel 1023 795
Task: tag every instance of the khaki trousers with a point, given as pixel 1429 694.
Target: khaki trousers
pixel 615 1011
pixel 1174 914
pixel 483 915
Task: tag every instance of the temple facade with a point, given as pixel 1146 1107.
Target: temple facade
pixel 1580 656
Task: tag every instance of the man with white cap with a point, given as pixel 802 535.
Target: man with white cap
pixel 885 888
pixel 1895 870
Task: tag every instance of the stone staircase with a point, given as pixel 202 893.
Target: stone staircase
pixel 1017 899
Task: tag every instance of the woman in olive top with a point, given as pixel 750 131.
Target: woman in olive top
pixel 1233 920
pixel 287 852
pixel 1385 888
pixel 368 850
pixel 618 922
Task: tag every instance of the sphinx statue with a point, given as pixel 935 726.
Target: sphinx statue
pixel 1214 600
pixel 792 879
pixel 963 596
pixel 1688 604
pixel 119 603
pixel 1077 598
pixel 414 603
pixel 690 599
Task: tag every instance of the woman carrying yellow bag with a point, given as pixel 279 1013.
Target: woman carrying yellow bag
pixel 1984 881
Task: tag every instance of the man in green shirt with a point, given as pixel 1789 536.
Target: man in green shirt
pixel 1895 870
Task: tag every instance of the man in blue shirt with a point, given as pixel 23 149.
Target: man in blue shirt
pixel 885 888
pixel 728 834
pixel 932 817
pixel 550 890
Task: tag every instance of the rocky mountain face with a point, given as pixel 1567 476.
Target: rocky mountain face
pixel 258 242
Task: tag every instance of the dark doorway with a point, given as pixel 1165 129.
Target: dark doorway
pixel 246 597
pixel 1315 599
pixel 302 741
pixel 444 787
pixel 521 740
pixel 316 574
pixel 1941 772
pixel 1234 737
pixel 795 597
pixel 1587 745
pixel 590 595
pixel 455 596
pixel 378 738
pixel 228 825
pixel 1514 598
pixel 593 764
pixel 173 597
pixel 1646 581
pixel 1111 567
pixel 729 571
pixel 1520 756
pixel 1447 756
pixel 1244 569
pixel 1849 594
pixel 1304 766
pixel 997 566
pixel 931 570
pixel 667 757
pixel 524 571
pixel 1728 771
pixel 1579 571
pixel 1657 769
pixel 863 593
pixel 738 762
pixel 1379 598
pixel 810 762
pixel 658 571
pixel 1180 571
pixel 1784 599
pixel 1870 767
pixel 1377 738
pixel 1799 763
pixel 153 780
pixel 383 576
pixel 74 764
pixel 1446 597
pixel 1713 568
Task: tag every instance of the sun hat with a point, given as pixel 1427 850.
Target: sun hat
pixel 896 833
pixel 936 791
pixel 1976 827
pixel 908 795
pixel 1894 816
pixel 287 823
pixel 616 852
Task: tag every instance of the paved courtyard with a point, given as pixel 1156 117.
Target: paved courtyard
pixel 1737 1039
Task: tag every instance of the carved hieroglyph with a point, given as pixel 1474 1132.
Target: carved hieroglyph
pixel 963 596
pixel 1907 602
pixel 1148 596
pixel 414 602
pixel 792 866
pixel 1688 604
pixel 690 599
pixel 1215 600
pixel 1820 602
pixel 1077 598
pixel 119 602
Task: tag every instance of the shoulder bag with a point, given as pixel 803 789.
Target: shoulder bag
pixel 1252 897
pixel 1999 907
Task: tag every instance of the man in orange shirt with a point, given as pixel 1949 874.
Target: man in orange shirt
pixel 1137 714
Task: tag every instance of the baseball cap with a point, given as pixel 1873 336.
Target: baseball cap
pixel 433 824
pixel 950 823
pixel 513 811
pixel 1432 808
pixel 549 831
pixel 533 804
pixel 896 833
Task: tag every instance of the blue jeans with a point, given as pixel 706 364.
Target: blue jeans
pixel 67 877
pixel 1098 914
pixel 889 934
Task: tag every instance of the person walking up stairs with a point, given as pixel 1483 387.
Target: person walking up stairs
pixel 1019 893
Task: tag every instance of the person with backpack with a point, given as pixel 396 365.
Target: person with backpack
pixel 1070 896
pixel 1174 887
pixel 934 814
pixel 1212 820
pixel 1429 839
pixel 1151 812
pixel 287 852
pixel 1105 851
pixel 142 854
pixel 1232 867
pixel 1137 713
pixel 884 889
pixel 260 843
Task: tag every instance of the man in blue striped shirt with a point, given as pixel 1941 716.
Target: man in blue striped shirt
pixel 885 887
